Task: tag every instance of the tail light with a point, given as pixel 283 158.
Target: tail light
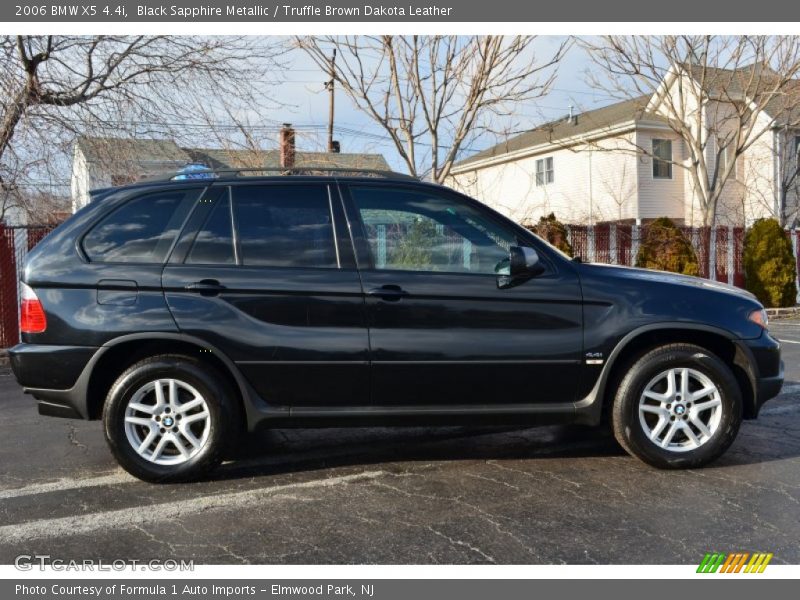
pixel 31 313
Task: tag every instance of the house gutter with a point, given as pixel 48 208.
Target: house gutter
pixel 563 144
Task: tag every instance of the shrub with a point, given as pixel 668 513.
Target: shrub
pixel 769 266
pixel 415 248
pixel 554 231
pixel 666 249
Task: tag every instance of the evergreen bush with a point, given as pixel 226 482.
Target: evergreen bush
pixel 665 248
pixel 769 266
pixel 554 231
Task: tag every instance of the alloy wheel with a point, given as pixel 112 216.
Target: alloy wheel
pixel 167 422
pixel 680 409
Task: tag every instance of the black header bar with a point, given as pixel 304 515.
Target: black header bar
pixel 142 11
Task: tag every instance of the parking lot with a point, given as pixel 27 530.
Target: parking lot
pixel 418 495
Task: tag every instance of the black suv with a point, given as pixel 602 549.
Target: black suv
pixel 183 313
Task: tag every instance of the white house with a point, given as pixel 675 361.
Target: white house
pixel 623 163
pixel 104 162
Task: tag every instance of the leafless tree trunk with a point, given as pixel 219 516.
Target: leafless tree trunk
pixel 55 88
pixel 719 95
pixel 433 94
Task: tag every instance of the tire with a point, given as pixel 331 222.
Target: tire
pixel 133 416
pixel 644 398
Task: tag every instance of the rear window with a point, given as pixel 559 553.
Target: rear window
pixel 285 226
pixel 142 230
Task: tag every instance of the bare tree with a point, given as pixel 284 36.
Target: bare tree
pixel 720 96
pixel 621 188
pixel 432 94
pixel 55 88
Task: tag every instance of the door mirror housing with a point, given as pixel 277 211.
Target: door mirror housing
pixel 523 264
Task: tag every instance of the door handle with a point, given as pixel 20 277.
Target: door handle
pixel 390 293
pixel 206 287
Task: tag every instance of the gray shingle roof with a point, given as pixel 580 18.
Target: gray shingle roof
pixel 109 149
pixel 751 82
pixel 217 158
pixel 127 150
pixel 587 122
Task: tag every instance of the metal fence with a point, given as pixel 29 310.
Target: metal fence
pixel 15 242
pixel 608 243
pixel 619 245
pixel 719 250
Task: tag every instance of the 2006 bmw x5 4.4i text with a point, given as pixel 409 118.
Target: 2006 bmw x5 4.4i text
pixel 183 313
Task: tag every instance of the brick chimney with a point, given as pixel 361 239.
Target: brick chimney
pixel 287 146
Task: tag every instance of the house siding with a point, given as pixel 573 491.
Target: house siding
pixel 592 183
pixel 79 182
pixel 759 174
pixel 660 197
pixel 789 168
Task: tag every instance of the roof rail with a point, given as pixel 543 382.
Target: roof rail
pixel 213 173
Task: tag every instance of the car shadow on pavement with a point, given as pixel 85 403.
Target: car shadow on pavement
pixel 281 451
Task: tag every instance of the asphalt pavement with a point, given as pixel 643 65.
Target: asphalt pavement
pixel 405 495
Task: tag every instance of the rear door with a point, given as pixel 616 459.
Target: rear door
pixel 266 273
pixel 441 330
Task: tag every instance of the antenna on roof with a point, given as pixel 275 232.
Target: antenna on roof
pixel 572 118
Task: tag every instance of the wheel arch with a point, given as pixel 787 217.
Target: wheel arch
pixel 115 356
pixel 718 341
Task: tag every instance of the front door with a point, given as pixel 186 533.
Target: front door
pixel 266 273
pixel 441 330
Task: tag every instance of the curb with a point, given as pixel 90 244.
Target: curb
pixel 783 313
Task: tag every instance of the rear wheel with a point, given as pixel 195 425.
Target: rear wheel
pixel 168 418
pixel 679 406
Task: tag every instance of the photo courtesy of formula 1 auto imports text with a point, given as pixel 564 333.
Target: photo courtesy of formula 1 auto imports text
pixel 333 300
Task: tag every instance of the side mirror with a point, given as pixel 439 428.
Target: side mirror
pixel 523 263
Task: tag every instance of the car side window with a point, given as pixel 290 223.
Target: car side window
pixel 141 230
pixel 412 230
pixel 214 242
pixel 285 226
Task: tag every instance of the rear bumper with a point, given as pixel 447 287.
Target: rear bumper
pixel 55 376
pixel 767 368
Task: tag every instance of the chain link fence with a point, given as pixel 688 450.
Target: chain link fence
pixel 15 242
pixel 619 244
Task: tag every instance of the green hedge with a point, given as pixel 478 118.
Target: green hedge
pixel 666 249
pixel 769 266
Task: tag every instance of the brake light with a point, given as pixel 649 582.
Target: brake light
pixel 31 312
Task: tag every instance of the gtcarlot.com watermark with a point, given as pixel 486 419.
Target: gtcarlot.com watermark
pixel 45 562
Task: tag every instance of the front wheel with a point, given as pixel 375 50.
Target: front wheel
pixel 168 418
pixel 679 406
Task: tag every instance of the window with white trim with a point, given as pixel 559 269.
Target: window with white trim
pixel 662 159
pixel 544 171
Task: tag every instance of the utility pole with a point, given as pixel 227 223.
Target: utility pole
pixel 329 87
